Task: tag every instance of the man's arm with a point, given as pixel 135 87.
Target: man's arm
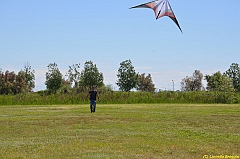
pixel 98 97
pixel 87 96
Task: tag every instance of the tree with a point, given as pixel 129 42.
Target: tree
pixel 145 83
pixel 74 74
pixel 222 86
pixel 8 80
pixel 219 82
pixel 65 87
pixel 234 73
pixel 11 83
pixel 1 80
pixel 193 83
pixel 127 76
pixel 28 77
pixel 53 78
pixel 90 75
pixel 20 84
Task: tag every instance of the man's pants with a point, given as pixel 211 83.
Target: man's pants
pixel 92 105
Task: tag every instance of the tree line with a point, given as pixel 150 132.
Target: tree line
pixel 228 81
pixel 77 80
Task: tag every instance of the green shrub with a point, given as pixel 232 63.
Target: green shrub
pixel 111 97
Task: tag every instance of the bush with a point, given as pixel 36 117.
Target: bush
pixel 115 97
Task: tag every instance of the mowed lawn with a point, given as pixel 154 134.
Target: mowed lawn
pixel 176 131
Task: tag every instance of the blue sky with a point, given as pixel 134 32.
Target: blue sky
pixel 107 32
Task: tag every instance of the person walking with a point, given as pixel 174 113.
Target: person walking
pixel 93 96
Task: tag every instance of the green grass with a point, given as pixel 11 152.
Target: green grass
pixel 119 131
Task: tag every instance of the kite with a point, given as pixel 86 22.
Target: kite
pixel 161 8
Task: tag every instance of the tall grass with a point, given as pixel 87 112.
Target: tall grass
pixel 122 98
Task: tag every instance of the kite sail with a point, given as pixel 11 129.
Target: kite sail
pixel 161 8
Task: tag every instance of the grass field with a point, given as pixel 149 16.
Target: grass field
pixel 176 131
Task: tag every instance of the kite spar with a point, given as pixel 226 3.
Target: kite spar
pixel 161 8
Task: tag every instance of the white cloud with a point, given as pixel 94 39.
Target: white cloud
pixel 40 79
